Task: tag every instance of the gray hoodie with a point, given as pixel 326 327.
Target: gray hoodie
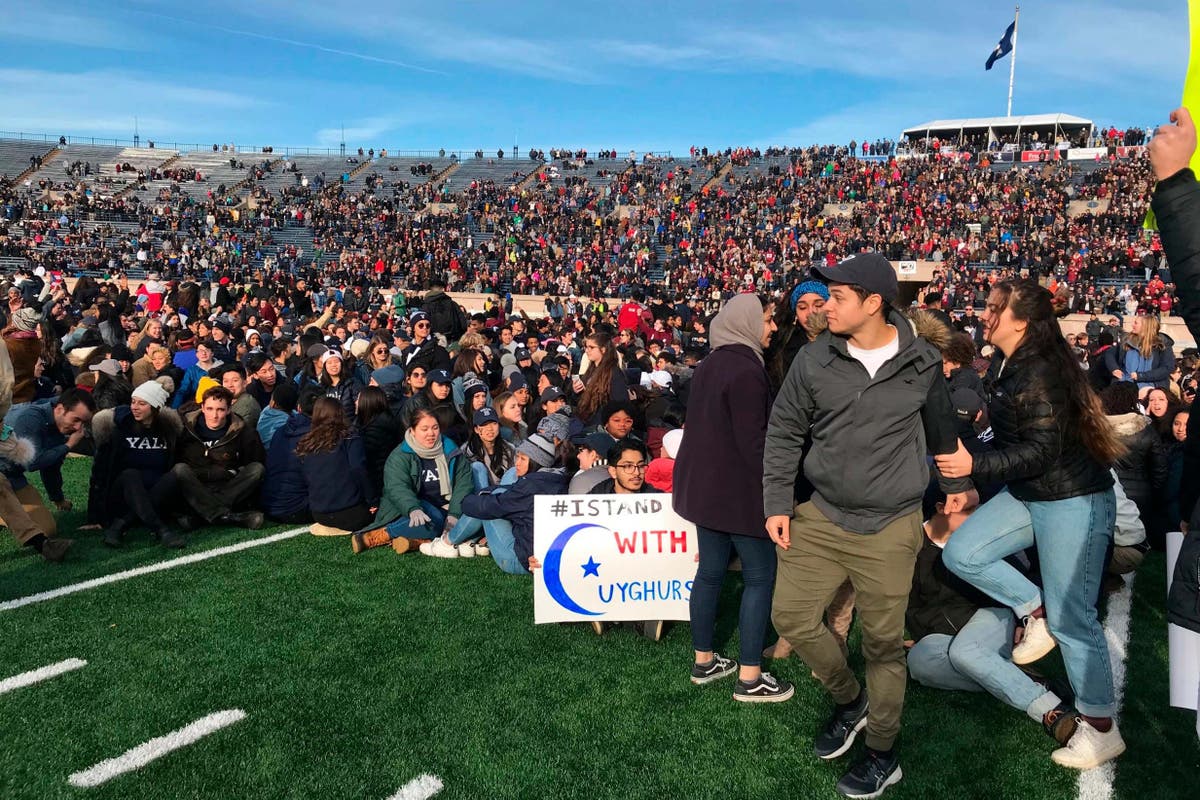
pixel 868 461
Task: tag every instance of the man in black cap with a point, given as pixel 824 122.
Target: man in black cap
pixel 528 368
pixel 223 348
pixel 869 394
pixel 424 350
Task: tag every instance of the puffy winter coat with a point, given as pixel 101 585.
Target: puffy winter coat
pixel 1026 404
pixel 1143 469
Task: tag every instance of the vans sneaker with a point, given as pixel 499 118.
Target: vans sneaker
pixel 765 689
pixel 716 669
pixel 466 550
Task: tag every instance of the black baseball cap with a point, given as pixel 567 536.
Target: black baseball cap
pixel 871 271
pixel 967 404
pixel 439 376
pixel 523 354
pixel 485 415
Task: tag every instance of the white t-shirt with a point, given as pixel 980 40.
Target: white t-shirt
pixel 874 359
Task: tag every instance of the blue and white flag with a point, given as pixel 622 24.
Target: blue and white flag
pixel 1005 46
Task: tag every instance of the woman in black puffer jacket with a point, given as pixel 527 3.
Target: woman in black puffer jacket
pixel 1053 449
pixel 1143 469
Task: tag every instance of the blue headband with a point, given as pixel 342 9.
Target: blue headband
pixel 810 287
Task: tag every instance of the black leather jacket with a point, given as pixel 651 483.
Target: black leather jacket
pixel 1026 401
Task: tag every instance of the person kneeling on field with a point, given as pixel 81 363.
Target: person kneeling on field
pixel 135 449
pixel 424 483
pixel 53 428
pixel 218 463
pixel 964 640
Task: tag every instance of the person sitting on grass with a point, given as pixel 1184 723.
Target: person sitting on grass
pixel 135 450
pixel 233 378
pixel 592 452
pixel 53 428
pixel 334 464
pixel 218 464
pixel 962 640
pixel 628 461
pixel 424 484
pixel 285 489
pixel 492 461
pixel 380 432
pixel 276 414
pixel 508 514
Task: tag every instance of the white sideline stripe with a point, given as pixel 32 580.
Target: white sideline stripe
pixel 1097 784
pixel 158 747
pixel 137 572
pixel 421 787
pixel 40 674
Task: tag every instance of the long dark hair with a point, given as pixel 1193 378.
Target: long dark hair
pixel 329 428
pixel 598 390
pixel 372 403
pixel 502 458
pixel 1083 417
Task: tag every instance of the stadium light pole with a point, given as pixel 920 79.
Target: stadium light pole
pixel 1012 62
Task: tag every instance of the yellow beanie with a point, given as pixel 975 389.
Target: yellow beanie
pixel 206 383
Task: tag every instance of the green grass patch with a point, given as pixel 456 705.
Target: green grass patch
pixel 359 673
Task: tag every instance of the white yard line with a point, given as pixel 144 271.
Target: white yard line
pixel 1097 784
pixel 421 787
pixel 156 748
pixel 40 674
pixel 41 597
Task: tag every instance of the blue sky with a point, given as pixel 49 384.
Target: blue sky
pixel 643 75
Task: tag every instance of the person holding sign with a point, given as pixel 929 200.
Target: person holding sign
pixel 718 486
pixel 870 394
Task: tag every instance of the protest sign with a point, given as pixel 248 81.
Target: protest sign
pixel 611 557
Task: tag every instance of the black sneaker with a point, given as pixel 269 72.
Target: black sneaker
pixel 172 539
pixel 870 776
pixel 114 534
pixel 716 669
pixel 843 727
pixel 766 689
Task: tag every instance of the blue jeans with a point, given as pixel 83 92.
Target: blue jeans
pixel 758 576
pixel 1072 538
pixel 978 659
pixel 430 530
pixel 500 538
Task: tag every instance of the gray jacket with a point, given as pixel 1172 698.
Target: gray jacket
pixel 867 462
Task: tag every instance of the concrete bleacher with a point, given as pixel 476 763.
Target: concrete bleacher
pixel 498 170
pixel 402 174
pixel 309 166
pixel 760 167
pixel 15 155
pixel 104 159
pixel 214 167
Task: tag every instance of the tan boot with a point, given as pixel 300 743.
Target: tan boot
pixel 403 545
pixel 376 537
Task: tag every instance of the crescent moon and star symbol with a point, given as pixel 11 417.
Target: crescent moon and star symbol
pixel 552 569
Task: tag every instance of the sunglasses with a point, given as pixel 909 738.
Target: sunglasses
pixel 416 374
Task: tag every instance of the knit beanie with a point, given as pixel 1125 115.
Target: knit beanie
pixel 153 393
pixel 538 450
pixel 205 384
pixel 554 427
pixel 810 287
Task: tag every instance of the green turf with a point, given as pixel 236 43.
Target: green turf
pixel 359 673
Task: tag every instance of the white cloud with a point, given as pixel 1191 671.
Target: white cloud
pixel 106 101
pixel 24 21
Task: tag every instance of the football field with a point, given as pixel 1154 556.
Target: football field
pixel 291 668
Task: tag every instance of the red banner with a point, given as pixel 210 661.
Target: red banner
pixel 1039 155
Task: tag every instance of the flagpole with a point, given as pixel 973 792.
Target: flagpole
pixel 1012 64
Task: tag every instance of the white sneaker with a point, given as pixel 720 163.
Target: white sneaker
pixel 482 549
pixel 439 548
pixel 1089 747
pixel 1036 643
pixel 466 550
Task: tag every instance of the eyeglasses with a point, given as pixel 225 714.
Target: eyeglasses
pixel 633 467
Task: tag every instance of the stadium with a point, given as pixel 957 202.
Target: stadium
pixel 257 601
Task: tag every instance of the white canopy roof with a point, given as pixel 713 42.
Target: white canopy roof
pixel 982 123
